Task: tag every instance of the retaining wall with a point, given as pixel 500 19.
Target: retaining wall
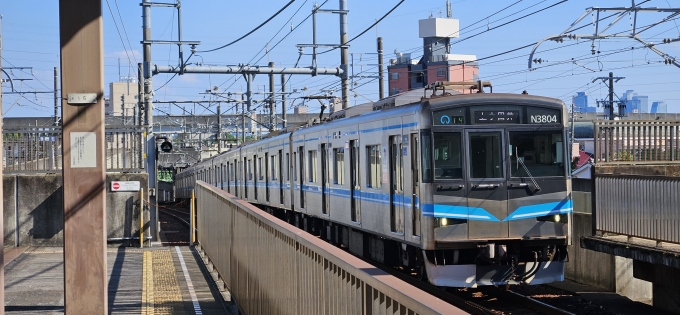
pixel 34 204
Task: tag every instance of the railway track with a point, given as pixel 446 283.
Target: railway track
pixel 174 225
pixel 483 301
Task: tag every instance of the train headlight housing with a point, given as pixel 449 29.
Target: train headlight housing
pixel 442 222
pixel 556 218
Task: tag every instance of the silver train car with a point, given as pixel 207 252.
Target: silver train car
pixel 461 190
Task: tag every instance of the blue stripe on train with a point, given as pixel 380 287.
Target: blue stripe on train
pixel 449 211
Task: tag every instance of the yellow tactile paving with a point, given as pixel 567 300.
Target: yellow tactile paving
pixel 147 285
pixel 160 289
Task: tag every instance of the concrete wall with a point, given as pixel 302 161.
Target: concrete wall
pixel 122 210
pixel 9 215
pixel 598 269
pixel 40 216
pixel 34 203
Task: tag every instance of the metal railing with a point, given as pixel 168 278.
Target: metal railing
pixel 645 207
pixel 38 149
pixel 273 268
pixel 636 141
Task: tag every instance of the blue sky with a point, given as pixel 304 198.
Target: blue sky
pixel 30 30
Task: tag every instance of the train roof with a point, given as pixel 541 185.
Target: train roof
pixel 492 99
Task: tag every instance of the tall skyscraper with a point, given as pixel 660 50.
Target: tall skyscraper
pixel 581 103
pixel 635 103
pixel 658 108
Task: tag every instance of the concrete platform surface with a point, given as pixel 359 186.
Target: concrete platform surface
pixel 159 280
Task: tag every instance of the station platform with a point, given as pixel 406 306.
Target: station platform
pixel 157 280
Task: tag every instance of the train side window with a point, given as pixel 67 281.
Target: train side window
pixel 250 170
pixel 273 167
pixel 426 154
pixel 447 156
pixel 373 168
pixel 260 173
pixel 339 166
pixel 287 166
pixel 312 166
pixel 295 166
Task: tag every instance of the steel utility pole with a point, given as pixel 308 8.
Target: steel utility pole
pixel 243 121
pixel 84 167
pixel 283 100
pixel 344 56
pixel 610 104
pixel 56 97
pixel 381 78
pixel 219 129
pixel 148 121
pixel 272 99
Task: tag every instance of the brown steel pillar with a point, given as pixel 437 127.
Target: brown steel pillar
pixel 84 173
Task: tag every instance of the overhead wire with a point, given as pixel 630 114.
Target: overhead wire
pixel 125 31
pixel 118 30
pixel 368 28
pixel 277 43
pixel 252 31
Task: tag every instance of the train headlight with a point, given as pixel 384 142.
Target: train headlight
pixel 443 222
pixel 557 218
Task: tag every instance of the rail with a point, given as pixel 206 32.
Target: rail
pixel 29 150
pixel 273 268
pixel 636 142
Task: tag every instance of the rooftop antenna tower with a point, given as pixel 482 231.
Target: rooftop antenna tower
pixel 448 9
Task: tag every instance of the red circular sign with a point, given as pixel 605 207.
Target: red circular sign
pixel 116 186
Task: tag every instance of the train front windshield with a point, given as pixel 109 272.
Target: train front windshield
pixel 531 153
pixel 536 154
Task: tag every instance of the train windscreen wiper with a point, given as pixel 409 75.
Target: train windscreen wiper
pixel 521 161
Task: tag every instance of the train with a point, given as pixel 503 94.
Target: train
pixel 461 190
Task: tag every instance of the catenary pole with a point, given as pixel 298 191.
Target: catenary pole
pixel 344 60
pixel 283 100
pixel 381 78
pixel 148 121
pixel 272 99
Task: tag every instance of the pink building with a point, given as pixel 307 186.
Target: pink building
pixel 437 63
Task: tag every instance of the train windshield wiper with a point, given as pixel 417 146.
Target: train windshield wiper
pixel 526 169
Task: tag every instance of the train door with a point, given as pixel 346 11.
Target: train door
pixel 396 184
pixel 266 176
pixel 487 187
pixel 355 189
pixel 415 185
pixel 325 197
pixel 280 176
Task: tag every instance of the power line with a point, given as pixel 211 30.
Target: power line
pixel 118 30
pixel 125 31
pixel 252 31
pixel 367 29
